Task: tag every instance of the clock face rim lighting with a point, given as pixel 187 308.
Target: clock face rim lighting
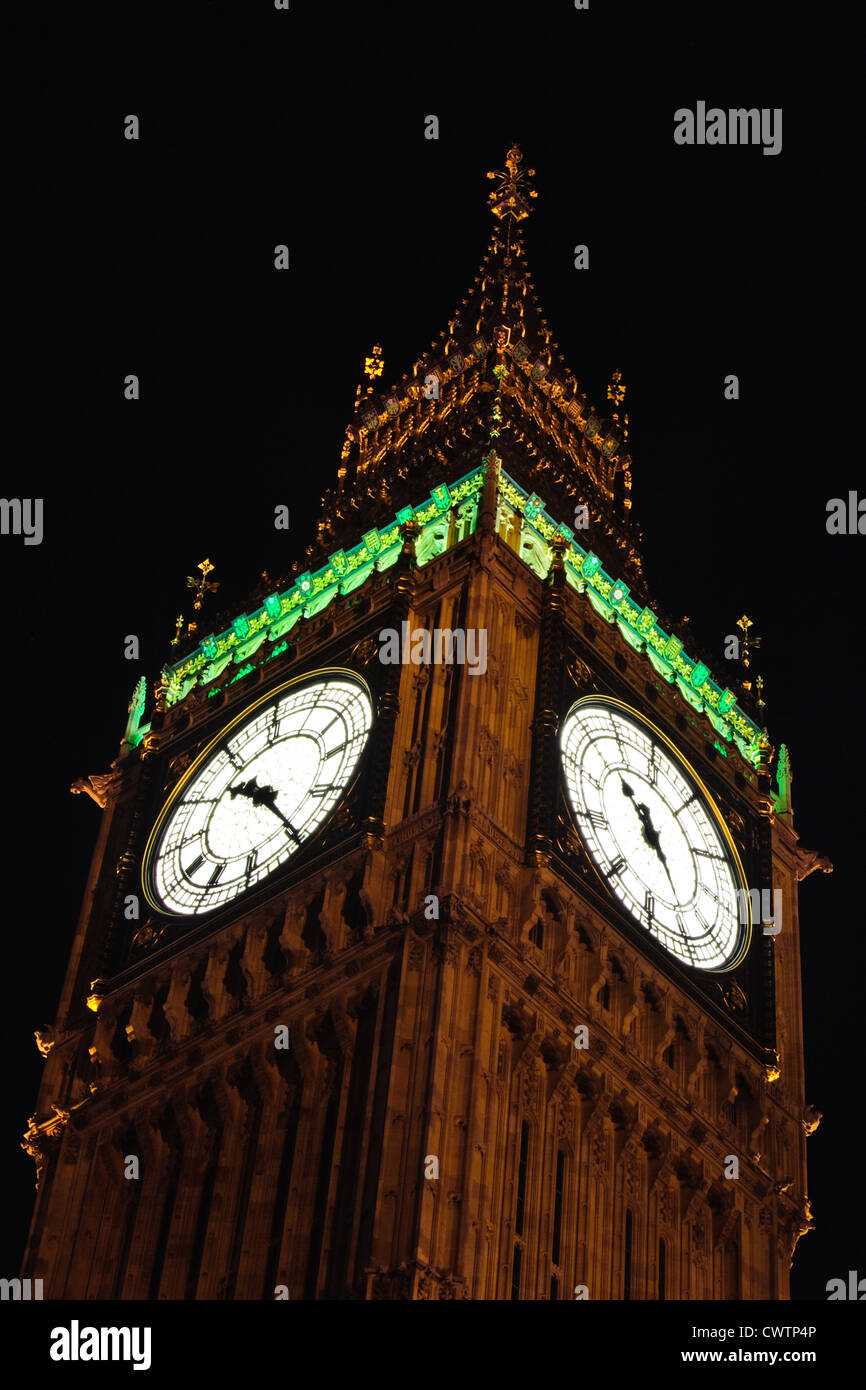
pixel 250 827
pixel 641 810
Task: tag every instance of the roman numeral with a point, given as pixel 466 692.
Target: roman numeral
pixel 596 819
pixel 233 760
pixel 707 854
pixel 251 864
pixel 196 864
pixel 649 905
pixel 334 751
pixel 703 921
pixel 652 768
pixel 327 787
pixel 272 729
pixel 616 868
pixel 693 797
pixel 214 878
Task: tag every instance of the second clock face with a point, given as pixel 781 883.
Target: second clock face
pixel 257 794
pixel 653 834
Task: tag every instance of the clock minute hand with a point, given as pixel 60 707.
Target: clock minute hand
pixel 263 796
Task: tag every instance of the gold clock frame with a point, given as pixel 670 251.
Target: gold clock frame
pixel 242 717
pixel 695 778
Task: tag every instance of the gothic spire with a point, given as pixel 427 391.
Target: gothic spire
pixel 494 372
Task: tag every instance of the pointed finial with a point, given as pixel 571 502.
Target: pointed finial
pixel 509 198
pixel 616 389
pixel 201 586
pixel 131 736
pixel 765 758
pixel 749 643
pixel 374 365
pixel 784 778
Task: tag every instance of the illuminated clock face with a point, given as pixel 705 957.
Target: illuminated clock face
pixel 653 834
pixel 257 794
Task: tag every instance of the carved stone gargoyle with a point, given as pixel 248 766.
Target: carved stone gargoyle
pixel 808 860
pixel 97 786
pixel 811 1119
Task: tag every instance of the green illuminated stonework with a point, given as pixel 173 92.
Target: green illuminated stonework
pixel 444 520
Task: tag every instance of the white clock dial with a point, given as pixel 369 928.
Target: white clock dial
pixel 257 794
pixel 653 834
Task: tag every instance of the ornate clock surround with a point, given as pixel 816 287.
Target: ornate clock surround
pixel 183 734
pixel 189 899
pixel 742 998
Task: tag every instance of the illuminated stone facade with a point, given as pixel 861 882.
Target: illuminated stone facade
pixel 432 1130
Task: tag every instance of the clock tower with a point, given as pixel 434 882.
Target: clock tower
pixel 441 938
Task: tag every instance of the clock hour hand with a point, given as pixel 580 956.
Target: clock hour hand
pixel 263 796
pixel 650 834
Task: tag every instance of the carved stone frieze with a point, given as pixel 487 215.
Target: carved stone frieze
pixel 580 674
pixel 488 745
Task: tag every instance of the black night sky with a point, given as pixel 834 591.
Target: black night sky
pixel 306 127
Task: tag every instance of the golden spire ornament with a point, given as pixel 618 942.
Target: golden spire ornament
pixel 201 587
pixel 374 365
pixel 745 625
pixel 509 198
pixel 616 389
